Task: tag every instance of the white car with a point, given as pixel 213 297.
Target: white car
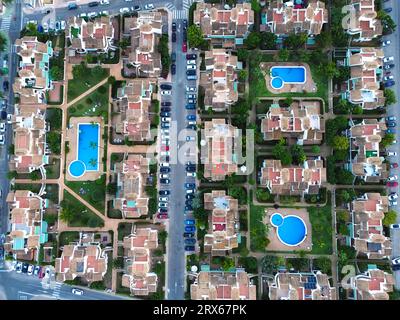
pixel 92 14
pixel 63 24
pixel 105 12
pixel 393 196
pixel 9 118
pixel 392 178
pixel 189 191
pixel 392 153
pixel 388 59
pixel 164 164
pixel 386 43
pixel 45 27
pixel 124 10
pixel 191 67
pixel 30 270
pixel 388 78
pixel 165 131
pixel 78 292
pixel 164 153
pixel 165 119
pixel 190 138
pixel 83 15
pixel 52 25
pixel 191 174
pixel 165 136
pixel 2 139
pixel 164 176
pixel 149 6
pixel 393 203
pixel 165 142
pixel 396 261
pixel 128 0
pixel 166 92
pixel 165 199
pixel 18 267
pixel 104 2
pixel 190 89
pixel 394 141
pixel 2 127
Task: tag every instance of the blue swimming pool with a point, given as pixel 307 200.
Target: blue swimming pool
pixel 291 230
pixel 288 74
pixel 88 149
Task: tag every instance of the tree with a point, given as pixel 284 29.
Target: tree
pixel 283 55
pixel 112 188
pixel 344 176
pixel 80 70
pixel 263 194
pixel 330 70
pixel 12 175
pixel 242 75
pixel 66 214
pixel 195 36
pixel 280 152
pixel 111 80
pixel 124 43
pixel 343 106
pixel 3 41
pixel 390 97
pixel 295 41
pixel 340 143
pixel 56 73
pixel 227 264
pixel 253 40
pixel 316 149
pixel 390 218
pixel 34 175
pixel 54 141
pixel 288 102
pixel 324 39
pixel 93 162
pixel 268 40
pixel 387 22
pixel 324 264
pixel 242 54
pixel 298 154
pixel 255 6
pixel 162 236
pixel 388 139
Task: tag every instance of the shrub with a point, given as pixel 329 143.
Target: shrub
pixel 102 89
pixel 72 109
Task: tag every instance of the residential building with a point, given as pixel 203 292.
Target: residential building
pixel 219 80
pixel 300 123
pixel 145 31
pixel 131 178
pixel 363 23
pixel 33 70
pixel 29 130
pixel 225 28
pixel 84 259
pixel 373 284
pixel 284 18
pixel 223 232
pixel 293 180
pixel 366 73
pixel 220 285
pixel 132 105
pixel 366 229
pixel 93 36
pixel 366 161
pixel 219 153
pixel 301 286
pixel 27 229
pixel 137 248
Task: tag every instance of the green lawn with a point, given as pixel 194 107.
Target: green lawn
pixel 34 187
pixel 83 217
pixel 68 236
pixel 77 86
pixel 258 230
pixel 321 222
pixel 93 192
pixel 124 229
pixel 53 169
pixel 259 89
pixel 95 104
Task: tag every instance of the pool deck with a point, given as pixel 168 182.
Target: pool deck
pixel 71 137
pixel 308 87
pixel 275 244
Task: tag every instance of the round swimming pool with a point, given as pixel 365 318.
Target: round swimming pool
pixel 291 230
pixel 77 168
pixel 277 83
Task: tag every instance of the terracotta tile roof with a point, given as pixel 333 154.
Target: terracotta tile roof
pixel 218 285
pixel 374 284
pixel 283 19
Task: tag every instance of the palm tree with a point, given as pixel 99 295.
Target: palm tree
pixel 66 214
pixel 93 144
pixel 93 162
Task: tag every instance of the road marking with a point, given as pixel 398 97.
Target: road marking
pixel 179 14
pixel 5 23
pixel 170 6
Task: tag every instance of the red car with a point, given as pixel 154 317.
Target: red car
pixel 41 273
pixel 184 46
pixel 162 216
pixel 392 183
pixel 394 165
pixel 164 148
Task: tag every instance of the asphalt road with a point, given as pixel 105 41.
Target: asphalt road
pixel 19 286
pixel 13 34
pixel 394 50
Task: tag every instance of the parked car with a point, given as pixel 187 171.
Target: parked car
pixel 78 292
pixel 165 170
pixel 166 92
pixel 191 67
pixel 190 89
pixel 191 117
pixel 165 103
pixel 164 192
pixel 37 270
pixel 165 181
pixel 173 26
pixel 162 216
pixel 393 203
pixel 191 174
pixel 192 77
pixel 395 226
pixel 190 222
pixel 386 78
pixel 191 101
pixel 25 267
pixel 165 199
pixel 188 235
pixel 165 109
pixel 190 185
pixel 388 10
pixel 18 267
pixel 191 56
pixel 391 124
pixel 388 59
pixel 189 248
pixel 396 261
pixel 165 125
pixel 189 196
pixel 191 96
pixel 149 6
pixel 389 83
pixel 173 68
pixel 392 184
pixel 162 210
pixel 124 10
pixel 190 191
pixel 93 4
pixel 137 8
pixel 394 165
pixel 190 106
pixel 184 23
pixel 2 139
pixel 191 127
pixel 2 127
pixel 164 164
pixel 188 208
pixel 165 114
pixel 191 169
pixel 391 118
pixel 173 37
pixel 5 85
pixel 191 62
pixel 190 241
pixel 190 138
pixel 391 130
pixel 184 47
pixel 165 86
pixel 385 43
pixel 163 205
pixel 190 72
pixel 173 57
pixel 388 66
pixel 391 153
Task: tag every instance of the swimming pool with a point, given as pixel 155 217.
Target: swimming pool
pixel 87 150
pixel 291 230
pixel 287 74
